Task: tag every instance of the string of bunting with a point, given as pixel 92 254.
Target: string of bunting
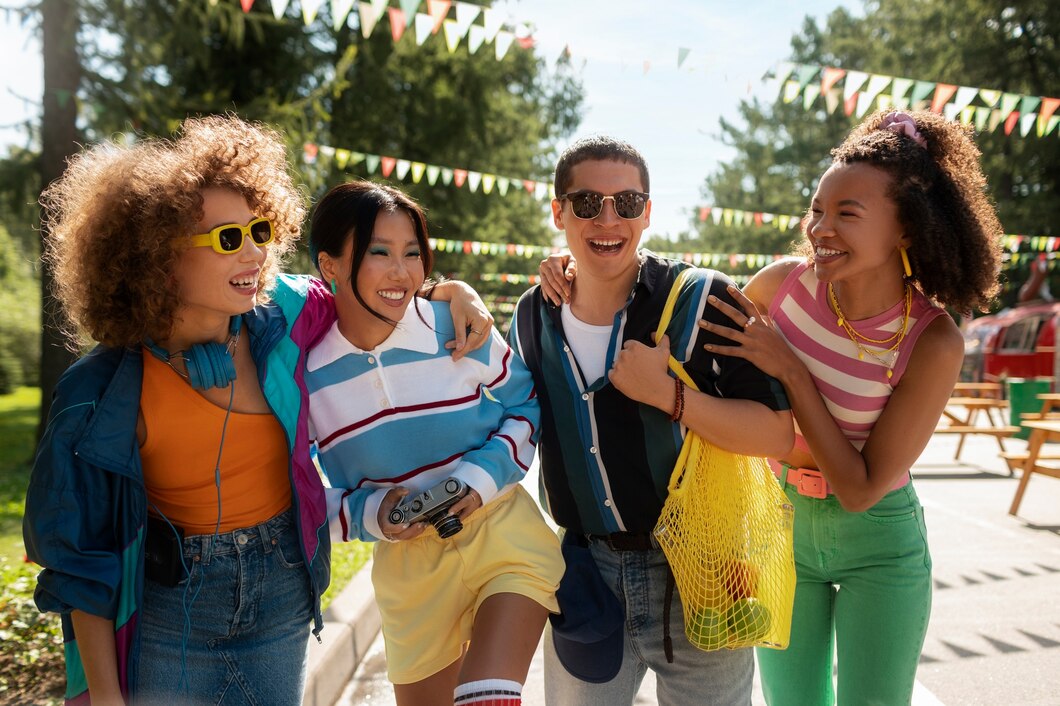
pixel 737 217
pixel 860 91
pixel 401 168
pixel 367 15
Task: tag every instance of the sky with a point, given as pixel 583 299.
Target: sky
pixel 671 115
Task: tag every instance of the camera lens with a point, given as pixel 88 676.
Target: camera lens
pixel 396 517
pixel 447 525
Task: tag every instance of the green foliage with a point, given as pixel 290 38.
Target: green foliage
pixel 18 419
pixel 346 560
pixel 19 316
pixel 31 664
pixel 783 149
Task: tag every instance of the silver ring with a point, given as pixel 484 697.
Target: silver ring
pixel 476 332
pixel 749 322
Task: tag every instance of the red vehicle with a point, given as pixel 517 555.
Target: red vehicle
pixel 1019 342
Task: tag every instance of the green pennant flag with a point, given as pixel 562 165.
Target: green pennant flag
pixel 809 95
pixel 371 162
pixel 1009 101
pixel 447 176
pixel 921 90
pixel 1029 104
pixel 409 7
pixel 502 185
pixel 805 73
pixel 432 173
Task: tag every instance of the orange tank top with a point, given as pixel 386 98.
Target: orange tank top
pixel 179 456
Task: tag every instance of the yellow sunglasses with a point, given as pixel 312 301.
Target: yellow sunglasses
pixel 229 238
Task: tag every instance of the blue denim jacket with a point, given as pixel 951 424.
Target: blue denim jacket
pixel 86 506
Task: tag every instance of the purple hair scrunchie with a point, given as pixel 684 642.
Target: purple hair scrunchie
pixel 903 124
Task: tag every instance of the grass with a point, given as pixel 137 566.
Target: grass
pixel 31 663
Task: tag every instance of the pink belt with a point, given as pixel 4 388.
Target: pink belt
pixel 811 483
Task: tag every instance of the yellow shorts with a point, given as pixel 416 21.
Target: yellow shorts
pixel 429 589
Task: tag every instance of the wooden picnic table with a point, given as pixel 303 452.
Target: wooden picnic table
pixel 1042 430
pixel 978 389
pixel 991 409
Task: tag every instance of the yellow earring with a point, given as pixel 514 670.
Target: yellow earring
pixel 905 261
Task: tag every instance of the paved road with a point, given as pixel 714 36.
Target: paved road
pixel 994 636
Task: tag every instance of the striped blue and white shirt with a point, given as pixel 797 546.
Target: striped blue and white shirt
pixel 405 414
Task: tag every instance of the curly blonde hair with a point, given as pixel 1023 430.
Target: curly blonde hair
pixel 117 216
pixel 940 192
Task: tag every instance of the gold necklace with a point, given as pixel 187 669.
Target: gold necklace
pixel 898 336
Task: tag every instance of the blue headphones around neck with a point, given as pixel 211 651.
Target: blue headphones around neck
pixel 207 364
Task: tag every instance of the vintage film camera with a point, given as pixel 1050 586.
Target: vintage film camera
pixel 433 505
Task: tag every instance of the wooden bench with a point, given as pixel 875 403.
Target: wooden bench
pixel 1000 432
pixel 1017 459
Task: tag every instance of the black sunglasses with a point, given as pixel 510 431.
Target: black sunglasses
pixel 587 205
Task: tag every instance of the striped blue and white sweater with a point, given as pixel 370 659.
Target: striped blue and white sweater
pixel 405 414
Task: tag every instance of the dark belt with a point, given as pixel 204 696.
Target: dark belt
pixel 627 541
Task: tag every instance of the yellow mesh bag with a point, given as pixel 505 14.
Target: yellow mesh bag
pixel 726 530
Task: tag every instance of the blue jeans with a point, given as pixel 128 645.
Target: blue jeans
pixel 247 605
pixel 863 588
pixel 638 578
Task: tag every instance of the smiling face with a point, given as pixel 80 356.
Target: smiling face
pixel 854 227
pixel 388 278
pixel 606 246
pixel 214 287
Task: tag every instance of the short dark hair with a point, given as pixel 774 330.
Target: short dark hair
pixel 599 148
pixel 349 211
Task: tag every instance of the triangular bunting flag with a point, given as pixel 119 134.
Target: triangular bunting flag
pixel 459 177
pixel 1010 121
pixel 782 222
pixel 830 76
pixel 398 23
pixel 704 213
pixel 1027 122
pixel 967 114
pixel 791 91
pixel 529 185
pixel 989 97
pixel 805 72
pixel 849 104
pixel 403 167
pixel 342 158
pixel 409 7
pixel 783 71
pixel 475 38
pixel 682 54
pixel 943 93
pixel 964 96
pixel 279 7
pixel 502 185
pixel 982 115
pixel 423 24
pixel 995 120
pixel 1029 104
pixel 388 165
pixel 246 5
pixel 466 14
pixel 1009 101
pixel 715 215
pixel 832 99
pixel 877 82
pixel 809 95
pixel 370 14
pixel 541 190
pixel 309 152
pixel 452 35
pixel 356 157
pixel 1049 106
pixel 447 176
pixel 491 22
pixel 855 80
pixel 921 90
pixel 340 10
pixel 371 162
pixel 417 171
pixel 726 216
pixel 949 111
pixel 884 101
pixel 432 173
pixel 503 42
pixel 863 105
pixel 900 87
pixel 438 9
pixel 1049 126
pixel 310 8
pixel 473 180
pixel 488 180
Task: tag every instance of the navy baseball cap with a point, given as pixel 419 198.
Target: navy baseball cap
pixel 588 632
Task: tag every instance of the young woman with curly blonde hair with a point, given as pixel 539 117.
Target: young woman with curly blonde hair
pixel 173 504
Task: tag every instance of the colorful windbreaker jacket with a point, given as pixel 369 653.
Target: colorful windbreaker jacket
pixel 86 506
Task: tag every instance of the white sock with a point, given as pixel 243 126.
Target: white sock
pixel 488 691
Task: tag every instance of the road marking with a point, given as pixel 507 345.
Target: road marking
pixel 923 697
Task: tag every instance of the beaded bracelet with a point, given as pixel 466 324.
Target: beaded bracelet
pixel 679 400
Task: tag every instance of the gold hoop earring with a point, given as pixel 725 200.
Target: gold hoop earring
pixel 905 261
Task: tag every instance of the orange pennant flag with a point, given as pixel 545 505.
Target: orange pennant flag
pixel 943 93
pixel 830 76
pixel 1049 106
pixel 704 213
pixel 438 9
pixel 246 5
pixel 529 185
pixel 459 176
pixel 1010 122
pixel 388 164
pixel 850 104
pixel 397 23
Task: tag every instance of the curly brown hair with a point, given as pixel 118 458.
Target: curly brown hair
pixel 117 214
pixel 940 192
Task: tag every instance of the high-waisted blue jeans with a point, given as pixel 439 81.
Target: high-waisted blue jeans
pixel 864 589
pixel 236 630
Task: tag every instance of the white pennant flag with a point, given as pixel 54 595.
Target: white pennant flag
pixel 475 37
pixel 473 179
pixel 854 81
pixel 403 166
pixel 424 27
pixel 370 14
pixel 340 10
pixel 466 13
pixel 310 8
pixel 491 22
pixel 279 7
pixel 964 96
pixel 504 41
pixel 452 35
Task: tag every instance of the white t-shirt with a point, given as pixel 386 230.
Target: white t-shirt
pixel 588 343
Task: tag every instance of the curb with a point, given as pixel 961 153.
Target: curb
pixel 351 624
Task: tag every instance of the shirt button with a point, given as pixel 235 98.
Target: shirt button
pixel 383 402
pixel 607 503
pixel 585 396
pixel 566 349
pixel 371 360
pixel 592 449
pixel 378 383
pixel 241 539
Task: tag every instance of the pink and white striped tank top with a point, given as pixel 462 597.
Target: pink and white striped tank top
pixel 855 391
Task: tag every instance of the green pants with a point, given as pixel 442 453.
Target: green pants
pixel 864 589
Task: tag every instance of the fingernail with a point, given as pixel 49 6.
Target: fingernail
pixel 711 298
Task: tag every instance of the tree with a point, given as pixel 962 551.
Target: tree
pixel 782 149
